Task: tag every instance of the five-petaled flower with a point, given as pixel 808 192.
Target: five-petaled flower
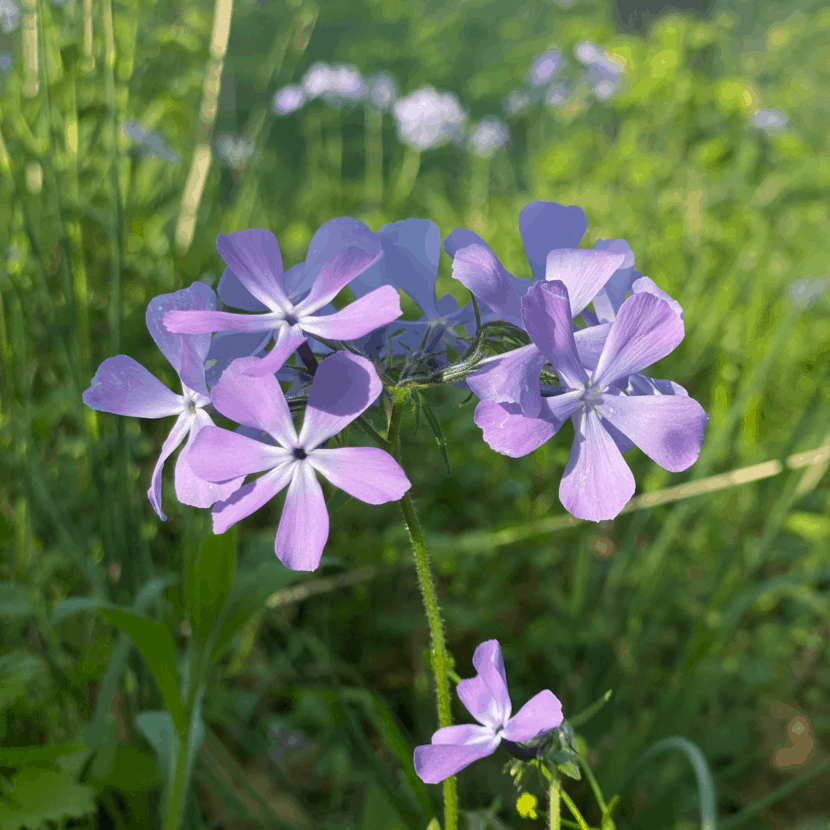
pixel 255 261
pixel 597 482
pixel 486 698
pixel 124 387
pixel 344 386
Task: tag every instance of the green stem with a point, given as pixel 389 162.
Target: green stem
pixel 394 428
pixel 554 810
pixel 439 649
pixel 583 825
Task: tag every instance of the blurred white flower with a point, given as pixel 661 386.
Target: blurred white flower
pixel 517 102
pixel 9 15
pixel 288 99
pixel 345 85
pixel 774 120
pixel 428 119
pixel 383 91
pixel 149 143
pixel 234 151
pixel 805 291
pixel 317 80
pixel 488 136
pixel 587 52
pixel 544 68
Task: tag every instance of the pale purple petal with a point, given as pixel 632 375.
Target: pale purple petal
pixel 546 314
pixel 435 762
pixel 289 338
pixel 254 257
pixel 344 386
pixel 175 437
pixel 668 429
pixel 254 401
pixel 411 250
pixel 507 431
pixel 228 346
pixel 367 473
pixel 583 272
pixel 250 497
pixel 461 238
pixel 330 238
pixel 477 268
pixel 376 309
pixel 545 226
pixel 337 273
pixel 192 372
pixel 597 482
pixel 190 488
pixel 493 709
pixel 641 385
pixel 233 293
pixel 512 377
pixel 124 387
pixel 644 330
pixel 304 526
pixel 198 297
pixel 219 455
pixel 590 342
pixel 541 713
pixel 608 300
pixel 199 322
pixel 647 285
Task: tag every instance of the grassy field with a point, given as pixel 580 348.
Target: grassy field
pixel 706 613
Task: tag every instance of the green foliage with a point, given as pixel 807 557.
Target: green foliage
pixel 700 614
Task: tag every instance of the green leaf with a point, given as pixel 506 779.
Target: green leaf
pixel 13 600
pixel 586 714
pixel 126 768
pixel 19 756
pixel 337 500
pixel 436 430
pixel 209 581
pixel 434 824
pixel 158 649
pixel 39 795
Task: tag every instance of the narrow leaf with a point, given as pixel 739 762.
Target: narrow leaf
pixel 209 581
pixel 437 432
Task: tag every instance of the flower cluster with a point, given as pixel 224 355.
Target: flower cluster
pixel 573 362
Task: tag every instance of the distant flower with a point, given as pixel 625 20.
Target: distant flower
pixel 285 742
pixel 288 99
pixel 124 387
pixel 383 91
pixel 234 151
pixel 587 52
pixel 317 80
pixel 773 120
pixel 805 291
pixel 556 96
pixel 344 386
pixel 517 102
pixel 486 698
pixel 9 15
pixel 149 143
pixel 345 85
pixel 428 119
pixel 5 62
pixel 488 135
pixel 544 68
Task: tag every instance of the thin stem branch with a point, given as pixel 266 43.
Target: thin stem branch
pixel 439 649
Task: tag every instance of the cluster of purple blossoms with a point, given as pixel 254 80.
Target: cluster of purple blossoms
pixel 333 361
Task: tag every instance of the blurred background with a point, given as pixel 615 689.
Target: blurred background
pixel 135 132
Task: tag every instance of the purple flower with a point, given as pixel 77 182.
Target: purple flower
pixel 427 118
pixel 486 698
pixel 488 136
pixel 124 387
pixel 550 233
pixel 288 99
pixel 257 283
pixel 383 91
pixel 9 15
pixel 597 482
pixel 545 66
pixel 344 386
